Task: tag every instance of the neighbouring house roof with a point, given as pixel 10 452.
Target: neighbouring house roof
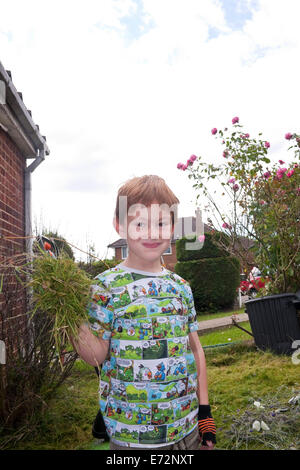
pixel 184 226
pixel 16 119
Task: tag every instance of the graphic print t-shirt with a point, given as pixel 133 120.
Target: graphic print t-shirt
pixel 147 391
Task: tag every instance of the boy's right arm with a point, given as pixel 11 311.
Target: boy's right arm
pixel 89 347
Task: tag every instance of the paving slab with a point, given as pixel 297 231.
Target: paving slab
pixel 216 323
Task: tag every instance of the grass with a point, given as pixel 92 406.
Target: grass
pixel 225 313
pixel 226 335
pixel 238 375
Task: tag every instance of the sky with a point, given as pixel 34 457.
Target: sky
pixel 124 88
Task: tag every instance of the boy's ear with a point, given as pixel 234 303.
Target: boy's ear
pixel 119 228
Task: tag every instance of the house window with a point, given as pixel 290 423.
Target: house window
pixel 124 252
pixel 168 251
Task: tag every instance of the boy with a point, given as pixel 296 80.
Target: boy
pixel 143 328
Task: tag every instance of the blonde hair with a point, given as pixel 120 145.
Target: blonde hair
pixel 146 190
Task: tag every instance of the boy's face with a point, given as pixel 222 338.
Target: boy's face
pixel 149 230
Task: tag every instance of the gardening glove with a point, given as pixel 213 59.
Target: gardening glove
pixel 206 425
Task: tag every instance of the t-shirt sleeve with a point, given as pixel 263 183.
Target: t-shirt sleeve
pixel 193 324
pixel 100 310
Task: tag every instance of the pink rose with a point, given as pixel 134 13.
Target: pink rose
pixel 231 180
pixel 235 187
pixel 280 172
pixel 288 136
pixel 267 145
pixel 235 120
pixel 189 162
pixel 201 238
pixel 184 167
pixel 246 136
pixel 290 173
pixel 225 225
pixel 179 166
pixel 267 174
pixel 214 131
pixel 193 158
pixel 262 202
pixel 280 162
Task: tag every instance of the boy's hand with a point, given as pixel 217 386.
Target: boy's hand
pixel 207 428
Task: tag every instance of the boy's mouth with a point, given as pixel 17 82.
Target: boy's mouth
pixel 151 245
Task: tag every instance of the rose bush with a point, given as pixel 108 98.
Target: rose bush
pixel 264 203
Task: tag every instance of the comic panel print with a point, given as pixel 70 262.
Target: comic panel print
pixel 192 383
pixel 184 405
pixel 99 294
pixel 150 370
pixel 177 346
pixel 155 349
pixel 179 325
pixel 125 370
pixel 162 413
pixel 120 297
pixel 128 413
pixel 109 369
pixel 176 368
pixel 162 328
pixel 167 392
pixel 128 349
pixel 132 329
pixel 110 426
pixel 103 390
pixel 136 309
pixel 176 431
pixel 118 389
pixel 136 392
pixel 191 363
pixel 126 433
pixel 153 434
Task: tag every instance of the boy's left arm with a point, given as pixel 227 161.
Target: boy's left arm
pixel 207 427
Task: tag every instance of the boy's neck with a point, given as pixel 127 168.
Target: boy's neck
pixel 142 265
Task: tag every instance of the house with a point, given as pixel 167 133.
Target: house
pixel 184 226
pixel 22 149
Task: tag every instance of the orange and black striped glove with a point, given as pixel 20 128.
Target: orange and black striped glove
pixel 206 424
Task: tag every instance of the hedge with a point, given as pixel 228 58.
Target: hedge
pixel 213 281
pixel 208 250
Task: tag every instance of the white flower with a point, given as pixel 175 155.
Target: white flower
pixel 256 425
pixel 258 405
pixel 294 400
pixel 264 426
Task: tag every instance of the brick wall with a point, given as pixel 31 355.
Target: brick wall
pixel 12 223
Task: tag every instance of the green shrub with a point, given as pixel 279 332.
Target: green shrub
pixel 208 250
pixel 97 267
pixel 213 281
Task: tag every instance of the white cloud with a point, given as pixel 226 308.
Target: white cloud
pixel 113 107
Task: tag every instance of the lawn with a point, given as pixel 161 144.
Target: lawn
pixel 238 375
